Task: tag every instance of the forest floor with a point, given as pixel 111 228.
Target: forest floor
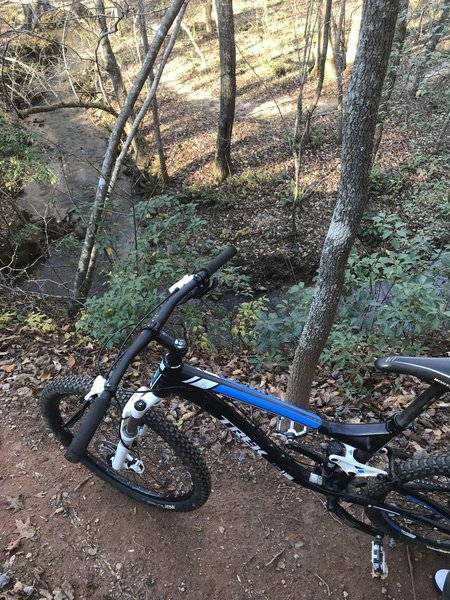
pixel 65 535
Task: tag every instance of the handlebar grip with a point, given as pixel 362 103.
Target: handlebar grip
pixel 88 427
pixel 217 262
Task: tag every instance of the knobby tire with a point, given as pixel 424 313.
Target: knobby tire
pixel 425 490
pixel 175 476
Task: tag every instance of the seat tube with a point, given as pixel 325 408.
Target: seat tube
pixel 422 402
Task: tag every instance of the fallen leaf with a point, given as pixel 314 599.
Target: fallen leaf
pixel 65 592
pixel 397 401
pixel 18 587
pixel 25 529
pixel 45 375
pixel 281 565
pixel 14 504
pixel 13 545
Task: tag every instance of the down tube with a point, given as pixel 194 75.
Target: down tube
pixel 252 436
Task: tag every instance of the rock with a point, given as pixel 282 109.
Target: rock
pixel 4 580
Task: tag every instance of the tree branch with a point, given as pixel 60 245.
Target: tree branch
pixel 23 114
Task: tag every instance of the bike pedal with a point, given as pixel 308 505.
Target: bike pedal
pixel 379 566
pixel 286 428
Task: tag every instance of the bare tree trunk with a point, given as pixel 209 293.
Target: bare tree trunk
pixel 308 34
pixel 155 112
pixel 86 263
pixel 227 49
pixel 209 22
pixel 32 10
pixel 195 45
pixel 364 93
pixel 322 49
pixel 302 117
pixel 149 98
pixel 339 56
pixel 111 66
pixel 391 75
pixel 28 13
pixel 109 61
pixel 437 28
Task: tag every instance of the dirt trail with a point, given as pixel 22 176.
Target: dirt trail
pixel 258 537
pixel 179 81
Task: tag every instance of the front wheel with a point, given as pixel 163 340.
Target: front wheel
pixel 163 468
pixel 422 487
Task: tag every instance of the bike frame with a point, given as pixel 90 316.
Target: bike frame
pixel 211 392
pixel 346 457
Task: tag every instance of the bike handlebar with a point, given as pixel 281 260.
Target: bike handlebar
pixel 88 427
pixel 94 417
pixel 217 262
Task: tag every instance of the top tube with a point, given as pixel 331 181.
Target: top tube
pixel 227 387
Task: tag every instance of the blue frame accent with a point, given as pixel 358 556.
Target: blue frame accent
pixel 269 403
pixel 366 437
pixel 424 504
pixel 238 391
pixel 155 377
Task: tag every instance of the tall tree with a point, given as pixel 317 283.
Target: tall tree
pixel 209 21
pixel 33 10
pixel 391 75
pixel 303 116
pixel 323 34
pixel 227 50
pixel 108 58
pixel 109 63
pixel 437 29
pixel 108 172
pixel 339 57
pixel 155 111
pixel 360 118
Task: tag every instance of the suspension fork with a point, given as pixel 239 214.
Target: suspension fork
pixel 131 426
pixel 143 400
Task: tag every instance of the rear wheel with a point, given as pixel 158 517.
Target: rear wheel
pixel 422 488
pixel 163 468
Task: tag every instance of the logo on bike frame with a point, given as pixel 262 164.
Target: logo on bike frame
pixel 243 437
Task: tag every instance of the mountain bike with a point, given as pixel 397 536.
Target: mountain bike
pixel 124 437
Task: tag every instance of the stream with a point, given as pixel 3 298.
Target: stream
pixel 74 147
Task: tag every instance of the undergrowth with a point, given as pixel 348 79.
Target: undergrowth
pixel 170 241
pixel 396 299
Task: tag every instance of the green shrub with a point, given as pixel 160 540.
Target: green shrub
pixel 170 243
pixel 275 68
pixel 20 160
pixel 394 298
